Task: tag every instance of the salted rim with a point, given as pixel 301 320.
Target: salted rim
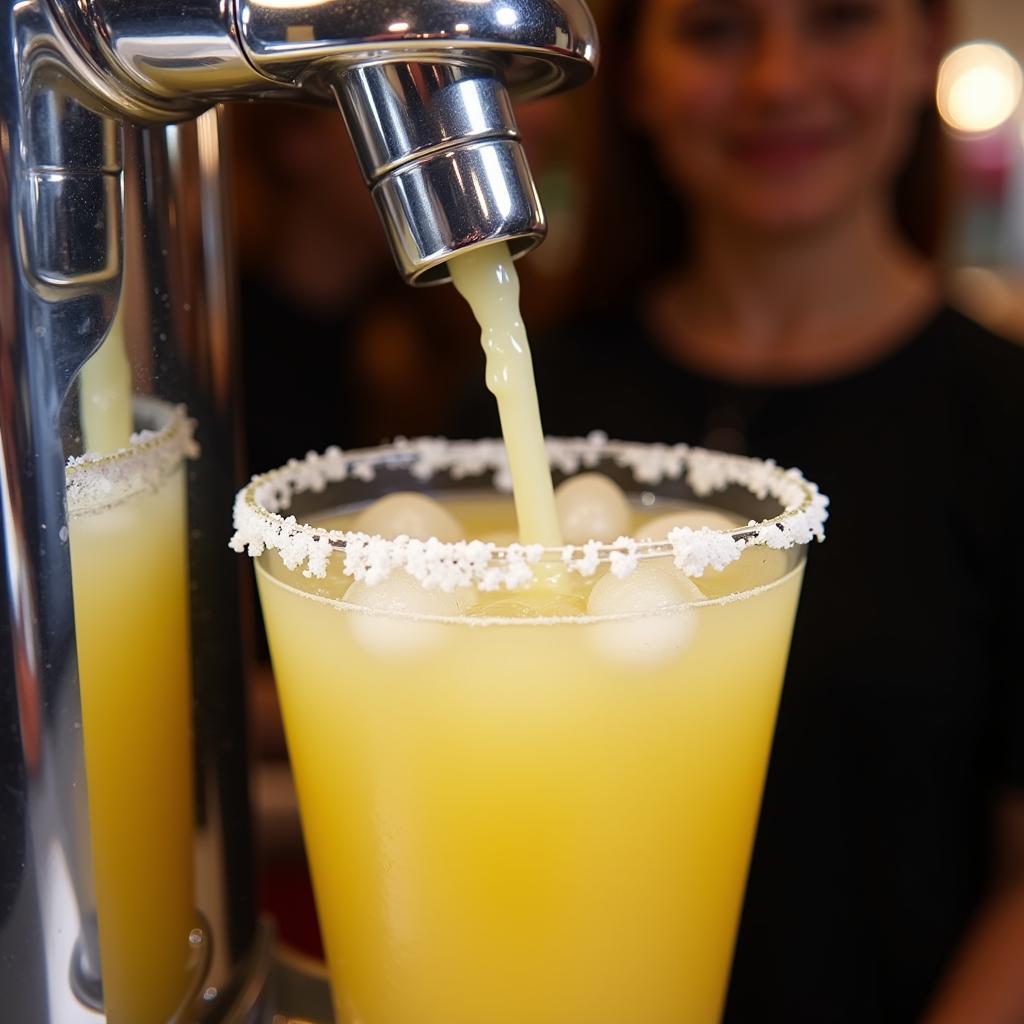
pixel 259 526
pixel 96 483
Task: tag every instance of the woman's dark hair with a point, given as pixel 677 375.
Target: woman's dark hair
pixel 636 224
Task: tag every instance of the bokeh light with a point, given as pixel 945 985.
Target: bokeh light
pixel 980 87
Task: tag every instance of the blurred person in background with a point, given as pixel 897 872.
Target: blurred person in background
pixel 762 278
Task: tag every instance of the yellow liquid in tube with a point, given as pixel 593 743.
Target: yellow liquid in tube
pixel 130 579
pixel 105 394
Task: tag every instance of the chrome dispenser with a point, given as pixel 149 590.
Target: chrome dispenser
pixel 111 154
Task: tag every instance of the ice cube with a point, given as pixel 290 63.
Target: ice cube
pixel 390 628
pixel 414 515
pixel 659 596
pixel 756 567
pixel 696 518
pixel 592 507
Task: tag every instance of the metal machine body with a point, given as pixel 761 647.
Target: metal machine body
pixel 110 154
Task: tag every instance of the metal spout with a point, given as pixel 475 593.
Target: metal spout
pixel 426 90
pixel 439 147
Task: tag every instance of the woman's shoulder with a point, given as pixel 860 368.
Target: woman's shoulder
pixel 982 374
pixel 977 350
pixel 952 358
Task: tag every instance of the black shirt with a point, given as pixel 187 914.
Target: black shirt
pixel 902 715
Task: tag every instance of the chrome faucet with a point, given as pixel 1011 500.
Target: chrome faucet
pixel 424 87
pixel 111 154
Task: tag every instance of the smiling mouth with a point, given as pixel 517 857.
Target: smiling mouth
pixel 782 150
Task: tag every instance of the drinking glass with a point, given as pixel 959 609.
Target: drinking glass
pixel 517 811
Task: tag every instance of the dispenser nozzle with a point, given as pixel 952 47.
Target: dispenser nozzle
pixel 425 87
pixel 426 91
pixel 440 150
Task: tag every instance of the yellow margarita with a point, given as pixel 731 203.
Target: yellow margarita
pixel 517 812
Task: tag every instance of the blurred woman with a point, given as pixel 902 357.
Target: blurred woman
pixel 762 280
